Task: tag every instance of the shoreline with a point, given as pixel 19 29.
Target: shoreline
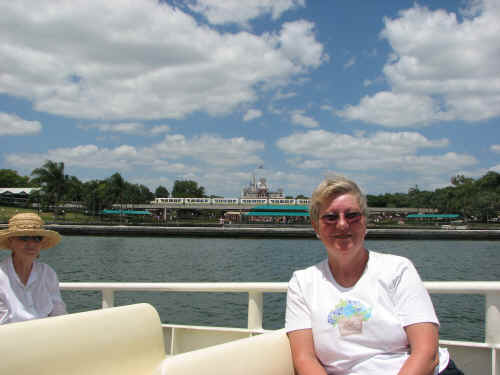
pixel 233 231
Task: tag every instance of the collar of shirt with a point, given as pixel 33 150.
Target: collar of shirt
pixel 33 274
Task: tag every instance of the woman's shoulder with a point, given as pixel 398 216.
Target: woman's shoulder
pixel 388 259
pixel 311 271
pixel 44 268
pixel 4 271
pixel 4 264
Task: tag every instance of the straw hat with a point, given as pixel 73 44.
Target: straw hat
pixel 28 224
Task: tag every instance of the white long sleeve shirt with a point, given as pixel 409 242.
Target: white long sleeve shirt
pixel 39 298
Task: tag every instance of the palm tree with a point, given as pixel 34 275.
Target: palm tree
pixel 51 178
pixel 116 186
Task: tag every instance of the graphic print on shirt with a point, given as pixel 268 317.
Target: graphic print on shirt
pixel 349 316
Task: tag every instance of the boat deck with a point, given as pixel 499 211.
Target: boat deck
pixel 472 357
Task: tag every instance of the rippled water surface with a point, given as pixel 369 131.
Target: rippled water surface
pixel 138 259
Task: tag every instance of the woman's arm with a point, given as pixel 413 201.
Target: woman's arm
pixel 303 355
pixel 4 309
pixel 59 307
pixel 424 357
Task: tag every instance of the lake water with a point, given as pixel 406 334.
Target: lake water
pixel 140 259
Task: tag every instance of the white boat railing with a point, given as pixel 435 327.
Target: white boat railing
pixel 255 290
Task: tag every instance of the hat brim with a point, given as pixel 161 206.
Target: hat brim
pixel 50 237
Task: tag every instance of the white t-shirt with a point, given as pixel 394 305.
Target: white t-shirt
pixel 360 330
pixel 39 298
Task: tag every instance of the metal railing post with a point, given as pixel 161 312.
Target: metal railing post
pixel 492 324
pixel 255 310
pixel 108 298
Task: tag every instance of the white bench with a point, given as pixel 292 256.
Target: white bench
pixel 265 354
pixel 129 340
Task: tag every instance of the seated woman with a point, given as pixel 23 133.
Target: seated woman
pixel 28 289
pixel 358 311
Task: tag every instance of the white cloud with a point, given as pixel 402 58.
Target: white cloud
pixel 212 150
pixel 297 42
pixel 349 63
pixel 382 151
pixel 125 127
pixel 283 96
pixel 241 12
pixel 158 129
pixel 252 114
pixel 308 164
pixel 14 125
pixel 140 60
pixel 394 110
pixel 298 118
pixel 495 148
pixel 443 68
pixel 186 154
pixel 326 107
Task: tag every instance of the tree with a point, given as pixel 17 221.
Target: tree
pixel 116 187
pixel 91 197
pixel 187 189
pixel 136 193
pixel 51 178
pixel 10 179
pixel 376 200
pixel 161 192
pixel 301 196
pixel 74 189
pixel 490 181
pixel 460 179
pixel 145 194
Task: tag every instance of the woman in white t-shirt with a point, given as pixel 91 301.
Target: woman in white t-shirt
pixel 28 289
pixel 358 311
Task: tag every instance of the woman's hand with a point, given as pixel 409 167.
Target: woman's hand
pixel 424 357
pixel 303 355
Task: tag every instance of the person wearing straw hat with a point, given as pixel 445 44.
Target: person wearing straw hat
pixel 29 289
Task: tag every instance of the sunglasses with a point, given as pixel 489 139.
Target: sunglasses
pixel 350 217
pixel 30 238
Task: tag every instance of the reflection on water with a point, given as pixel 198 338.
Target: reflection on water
pixel 140 259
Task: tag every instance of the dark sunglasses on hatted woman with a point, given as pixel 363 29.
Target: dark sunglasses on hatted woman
pixel 350 217
pixel 30 238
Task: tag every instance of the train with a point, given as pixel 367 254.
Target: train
pixel 230 201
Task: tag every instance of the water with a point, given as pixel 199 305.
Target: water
pixel 139 259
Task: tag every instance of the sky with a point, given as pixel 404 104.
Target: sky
pixel 392 94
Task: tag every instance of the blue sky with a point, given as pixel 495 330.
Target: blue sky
pixel 390 93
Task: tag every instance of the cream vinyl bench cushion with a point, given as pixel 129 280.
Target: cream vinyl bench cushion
pixel 128 340
pixel 265 354
pixel 121 340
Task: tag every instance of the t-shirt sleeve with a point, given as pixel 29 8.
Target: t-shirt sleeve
pixel 298 314
pixel 412 301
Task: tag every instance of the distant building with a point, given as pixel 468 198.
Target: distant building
pixel 15 196
pixel 260 189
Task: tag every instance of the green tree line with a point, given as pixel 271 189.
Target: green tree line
pixel 57 187
pixel 477 199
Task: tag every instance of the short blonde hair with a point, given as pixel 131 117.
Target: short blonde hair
pixel 332 187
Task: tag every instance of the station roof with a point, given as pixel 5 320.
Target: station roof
pixel 24 191
pixel 125 212
pixel 281 207
pixel 276 213
pixel 433 216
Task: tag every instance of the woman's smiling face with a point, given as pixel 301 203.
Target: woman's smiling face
pixel 342 226
pixel 26 247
